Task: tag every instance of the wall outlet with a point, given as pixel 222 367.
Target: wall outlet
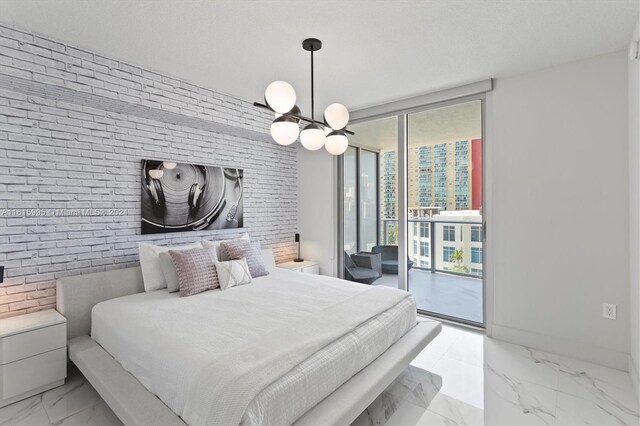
pixel 609 311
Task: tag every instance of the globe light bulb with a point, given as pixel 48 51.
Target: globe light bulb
pixel 285 130
pixel 313 137
pixel 336 116
pixel 337 143
pixel 280 96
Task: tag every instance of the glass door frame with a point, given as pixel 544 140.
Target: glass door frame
pixel 359 150
pixel 402 117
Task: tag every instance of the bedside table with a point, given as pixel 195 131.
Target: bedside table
pixel 33 354
pixel 308 266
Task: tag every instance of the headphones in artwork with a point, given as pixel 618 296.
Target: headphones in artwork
pixel 153 184
pixel 197 204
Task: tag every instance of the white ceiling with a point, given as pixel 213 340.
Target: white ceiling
pixel 374 51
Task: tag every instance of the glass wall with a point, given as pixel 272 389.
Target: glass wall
pixel 370 187
pixel 368 212
pixel 350 213
pixel 445 235
pixel 445 244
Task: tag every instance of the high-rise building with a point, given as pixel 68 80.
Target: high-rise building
pixel 388 185
pixel 439 175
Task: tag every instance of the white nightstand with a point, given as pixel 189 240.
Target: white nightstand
pixel 33 354
pixel 308 266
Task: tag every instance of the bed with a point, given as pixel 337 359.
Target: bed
pixel 296 348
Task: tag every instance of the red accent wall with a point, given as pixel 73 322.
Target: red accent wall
pixel 476 174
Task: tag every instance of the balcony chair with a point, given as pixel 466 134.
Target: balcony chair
pixel 366 274
pixel 390 259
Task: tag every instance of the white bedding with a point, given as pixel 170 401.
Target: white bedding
pixel 165 341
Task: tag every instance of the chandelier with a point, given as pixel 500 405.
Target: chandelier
pixel 281 99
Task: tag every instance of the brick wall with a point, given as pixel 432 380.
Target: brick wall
pixel 74 127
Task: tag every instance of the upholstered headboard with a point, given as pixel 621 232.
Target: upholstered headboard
pixel 77 295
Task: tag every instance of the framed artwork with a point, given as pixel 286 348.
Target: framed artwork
pixel 178 197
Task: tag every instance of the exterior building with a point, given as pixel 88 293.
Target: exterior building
pixel 441 175
pixel 447 238
pixel 444 181
pixel 388 185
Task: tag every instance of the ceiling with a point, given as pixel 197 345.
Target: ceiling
pixel 446 124
pixel 374 51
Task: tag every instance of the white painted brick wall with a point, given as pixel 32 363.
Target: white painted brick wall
pixel 74 127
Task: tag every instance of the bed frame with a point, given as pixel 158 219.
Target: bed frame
pixel 135 405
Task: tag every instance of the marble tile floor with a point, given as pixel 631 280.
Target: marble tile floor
pixel 461 378
pixel 490 382
pixel 74 403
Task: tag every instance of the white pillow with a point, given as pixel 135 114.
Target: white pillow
pixel 151 266
pixel 232 273
pixel 169 272
pixel 221 255
pixel 269 259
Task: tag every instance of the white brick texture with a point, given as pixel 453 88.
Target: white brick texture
pixel 74 127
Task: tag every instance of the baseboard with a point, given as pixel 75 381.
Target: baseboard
pixel 561 346
pixel 635 377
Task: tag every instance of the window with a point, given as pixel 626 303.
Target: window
pixel 476 271
pixel 424 230
pixel 476 233
pixel 447 252
pixel 476 255
pixel 449 233
pixel 425 248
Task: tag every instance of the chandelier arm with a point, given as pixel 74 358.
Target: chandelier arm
pixel 300 117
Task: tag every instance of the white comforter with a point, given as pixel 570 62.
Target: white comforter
pixel 168 343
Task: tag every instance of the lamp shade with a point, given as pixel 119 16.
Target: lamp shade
pixel 169 165
pixel 312 137
pixel 337 143
pixel 280 96
pixel 336 116
pixel 285 130
pixel 155 173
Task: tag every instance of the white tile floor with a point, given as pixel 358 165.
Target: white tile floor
pixel 484 381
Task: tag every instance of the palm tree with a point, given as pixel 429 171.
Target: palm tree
pixel 457 257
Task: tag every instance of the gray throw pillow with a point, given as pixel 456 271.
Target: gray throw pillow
pixel 196 270
pixel 235 250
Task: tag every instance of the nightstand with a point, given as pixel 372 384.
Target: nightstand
pixel 308 266
pixel 33 354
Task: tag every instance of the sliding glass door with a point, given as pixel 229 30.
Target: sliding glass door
pixel 360 199
pixel 444 218
pixel 369 175
pixel 350 199
pixel 368 199
pixel 440 166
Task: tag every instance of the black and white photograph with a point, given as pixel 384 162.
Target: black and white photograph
pixel 179 197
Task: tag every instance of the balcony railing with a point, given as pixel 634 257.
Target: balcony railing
pixel 438 245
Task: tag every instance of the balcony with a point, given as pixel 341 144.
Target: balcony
pixel 446 277
pixel 444 294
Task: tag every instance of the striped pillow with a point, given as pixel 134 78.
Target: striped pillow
pixel 235 250
pixel 196 270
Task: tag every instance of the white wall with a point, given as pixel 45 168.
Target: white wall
pixel 634 213
pixel 560 208
pixel 317 211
